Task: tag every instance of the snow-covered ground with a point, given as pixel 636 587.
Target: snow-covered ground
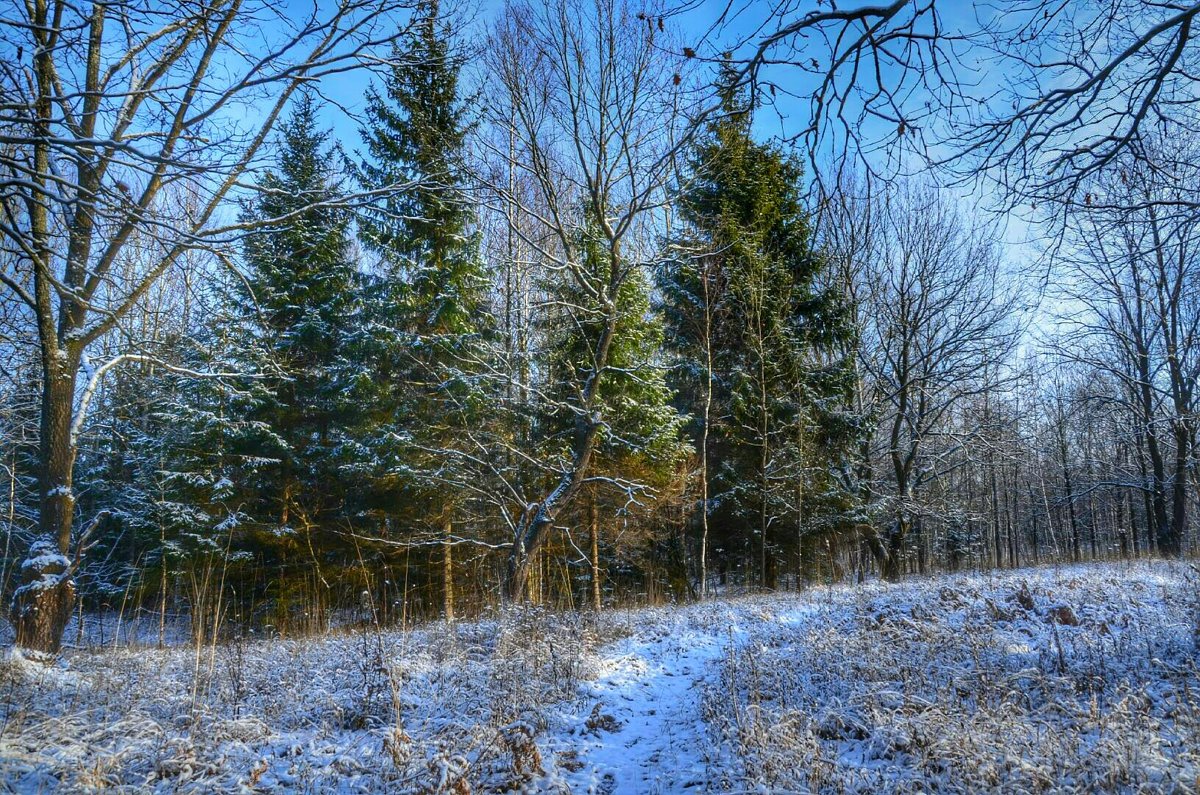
pixel 1048 680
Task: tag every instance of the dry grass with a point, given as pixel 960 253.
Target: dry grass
pixel 1072 684
pixel 1083 680
pixel 444 709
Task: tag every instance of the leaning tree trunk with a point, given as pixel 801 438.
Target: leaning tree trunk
pixel 42 605
pixel 534 527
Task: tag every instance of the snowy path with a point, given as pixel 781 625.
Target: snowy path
pixel 640 727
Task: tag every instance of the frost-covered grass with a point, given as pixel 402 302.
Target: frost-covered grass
pixel 1083 679
pixel 358 712
pixel 1078 679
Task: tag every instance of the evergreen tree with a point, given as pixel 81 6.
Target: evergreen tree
pixel 196 469
pixel 289 327
pixel 169 465
pixel 247 464
pixel 754 330
pixel 428 298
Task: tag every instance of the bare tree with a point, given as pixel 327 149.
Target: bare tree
pixel 877 79
pixel 1084 83
pixel 1130 273
pixel 588 101
pixel 933 319
pixel 1037 95
pixel 112 113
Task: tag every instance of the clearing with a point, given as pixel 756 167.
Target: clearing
pixel 1055 679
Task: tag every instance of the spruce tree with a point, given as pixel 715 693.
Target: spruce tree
pixel 428 295
pixel 246 465
pixel 173 462
pixel 290 325
pixel 753 327
pixel 197 466
pixel 217 470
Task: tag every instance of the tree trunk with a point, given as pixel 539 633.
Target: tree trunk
pixel 1033 536
pixel 1076 551
pixel 447 571
pixel 527 542
pixel 1157 502
pixel 764 450
pixel 1093 544
pixel 1134 540
pixel 594 538
pixel 42 605
pixel 708 398
pixel 922 552
pixel 1010 488
pixel 1165 539
pixel 534 527
pixel 1174 545
pixel 891 558
pixel 997 540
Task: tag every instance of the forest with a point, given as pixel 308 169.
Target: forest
pixel 378 312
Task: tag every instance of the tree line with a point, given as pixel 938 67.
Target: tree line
pixel 578 334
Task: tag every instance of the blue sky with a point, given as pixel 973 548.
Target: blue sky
pixel 785 117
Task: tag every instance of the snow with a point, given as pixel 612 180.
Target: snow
pixel 635 728
pixel 46 582
pixel 1052 679
pixel 46 560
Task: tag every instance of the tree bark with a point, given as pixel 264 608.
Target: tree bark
pixel 447 570
pixel 1076 552
pixel 708 399
pixel 891 556
pixel 594 538
pixel 42 606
